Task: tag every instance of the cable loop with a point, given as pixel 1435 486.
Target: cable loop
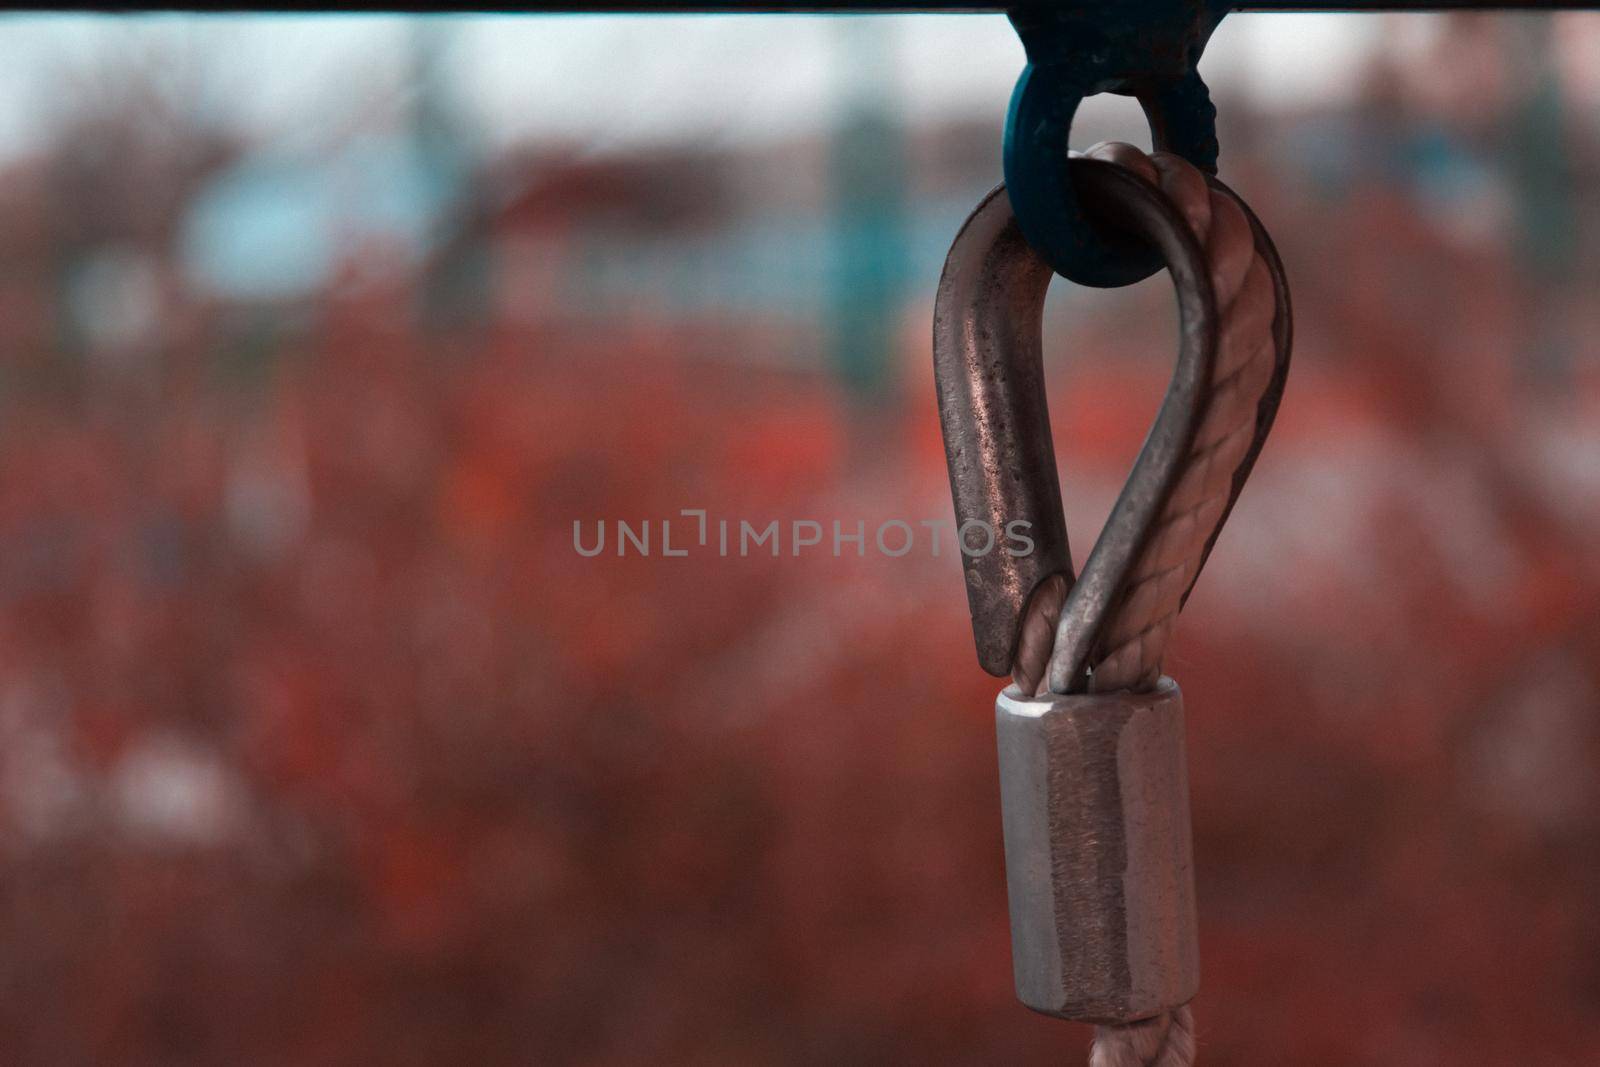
pixel 988 367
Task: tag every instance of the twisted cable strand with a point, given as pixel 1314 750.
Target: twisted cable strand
pixel 1165 1041
pixel 1137 629
pixel 1136 632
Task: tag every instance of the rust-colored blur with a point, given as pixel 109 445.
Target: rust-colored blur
pixel 321 744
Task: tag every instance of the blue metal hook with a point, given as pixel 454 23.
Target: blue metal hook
pixel 1147 49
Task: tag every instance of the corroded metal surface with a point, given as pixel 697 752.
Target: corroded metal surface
pixel 988 371
pixel 990 380
pixel 990 376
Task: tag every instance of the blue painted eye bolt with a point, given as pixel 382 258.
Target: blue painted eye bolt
pixel 1147 49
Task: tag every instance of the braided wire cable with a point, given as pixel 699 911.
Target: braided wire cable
pixel 1133 637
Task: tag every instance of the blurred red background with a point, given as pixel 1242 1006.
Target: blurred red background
pixel 320 744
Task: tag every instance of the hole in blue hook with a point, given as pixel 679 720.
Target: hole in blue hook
pixel 1109 117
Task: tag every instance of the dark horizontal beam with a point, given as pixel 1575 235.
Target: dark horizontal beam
pixel 812 7
pixel 975 6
